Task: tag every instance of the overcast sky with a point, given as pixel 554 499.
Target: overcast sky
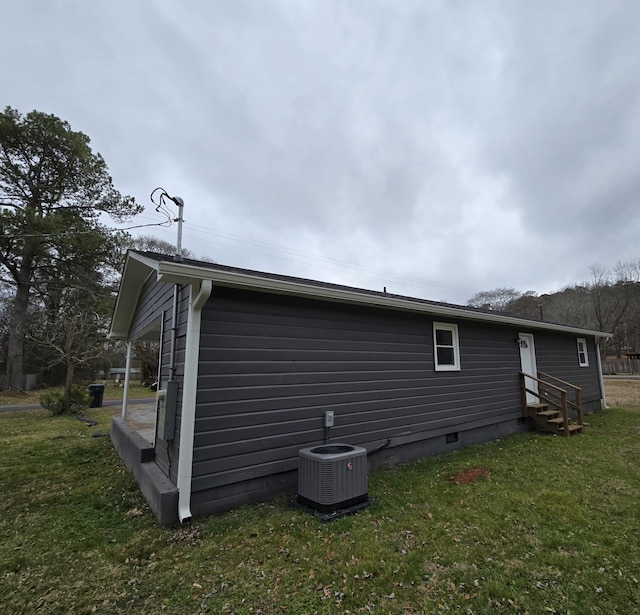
pixel 434 148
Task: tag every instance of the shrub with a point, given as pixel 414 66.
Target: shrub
pixel 54 400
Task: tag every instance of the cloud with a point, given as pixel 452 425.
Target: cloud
pixel 435 148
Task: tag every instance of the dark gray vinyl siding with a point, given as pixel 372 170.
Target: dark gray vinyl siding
pixel 558 355
pixel 270 366
pixel 156 302
pixel 154 298
pixel 167 452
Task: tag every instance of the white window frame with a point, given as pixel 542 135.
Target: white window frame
pixel 455 345
pixel 582 350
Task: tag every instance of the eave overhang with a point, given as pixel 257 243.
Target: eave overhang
pixel 136 271
pixel 175 272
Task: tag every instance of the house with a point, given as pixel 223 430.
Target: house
pixel 250 362
pixel 117 374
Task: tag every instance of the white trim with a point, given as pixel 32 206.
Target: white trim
pixel 583 341
pixel 189 386
pixel 135 273
pixel 599 361
pixel 527 348
pixel 127 381
pixel 160 344
pixel 455 346
pixel 185 273
pixel 173 272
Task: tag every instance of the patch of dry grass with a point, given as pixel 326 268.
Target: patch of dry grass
pixel 13 398
pixel 622 392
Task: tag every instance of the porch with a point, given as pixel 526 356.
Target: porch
pixel 142 419
pixel 133 438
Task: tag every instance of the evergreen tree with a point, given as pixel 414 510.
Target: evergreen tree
pixel 53 191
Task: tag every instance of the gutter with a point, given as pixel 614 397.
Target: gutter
pixel 604 398
pixel 174 333
pixel 189 389
pixel 139 266
pixel 176 273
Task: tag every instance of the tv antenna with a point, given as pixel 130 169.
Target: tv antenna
pixel 161 207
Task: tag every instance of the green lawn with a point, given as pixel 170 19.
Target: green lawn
pixel 111 391
pixel 552 528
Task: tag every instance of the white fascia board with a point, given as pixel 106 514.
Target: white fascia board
pixel 181 273
pixel 136 271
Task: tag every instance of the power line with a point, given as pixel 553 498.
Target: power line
pixel 258 246
pixel 72 233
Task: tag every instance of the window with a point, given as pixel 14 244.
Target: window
pixel 445 347
pixel 583 357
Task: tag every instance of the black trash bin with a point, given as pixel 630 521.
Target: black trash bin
pixel 96 393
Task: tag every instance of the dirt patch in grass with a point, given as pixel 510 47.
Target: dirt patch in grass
pixel 466 477
pixel 190 535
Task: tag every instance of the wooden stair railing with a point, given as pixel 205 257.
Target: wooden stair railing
pixel 553 407
pixel 576 403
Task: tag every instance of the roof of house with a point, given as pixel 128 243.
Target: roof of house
pixel 139 265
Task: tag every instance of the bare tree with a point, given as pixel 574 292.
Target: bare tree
pixel 150 243
pixel 610 300
pixel 497 299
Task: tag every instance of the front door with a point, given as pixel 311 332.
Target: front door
pixel 528 363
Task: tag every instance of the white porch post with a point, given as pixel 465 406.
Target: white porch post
pixel 127 378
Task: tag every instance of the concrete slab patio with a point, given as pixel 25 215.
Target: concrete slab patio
pixel 142 418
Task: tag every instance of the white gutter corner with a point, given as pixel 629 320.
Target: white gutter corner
pixel 189 387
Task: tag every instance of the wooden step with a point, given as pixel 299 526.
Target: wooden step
pixel 537 407
pixel 549 413
pixel 560 422
pixel 573 428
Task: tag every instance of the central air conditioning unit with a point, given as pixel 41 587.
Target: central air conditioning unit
pixel 332 477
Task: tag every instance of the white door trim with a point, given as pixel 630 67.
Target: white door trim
pixel 528 363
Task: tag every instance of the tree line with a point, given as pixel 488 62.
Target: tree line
pixel 60 264
pixel 608 302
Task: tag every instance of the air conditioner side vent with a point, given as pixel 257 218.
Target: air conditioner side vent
pixel 332 476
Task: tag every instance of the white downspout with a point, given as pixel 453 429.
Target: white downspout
pixel 604 399
pixel 127 379
pixel 190 383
